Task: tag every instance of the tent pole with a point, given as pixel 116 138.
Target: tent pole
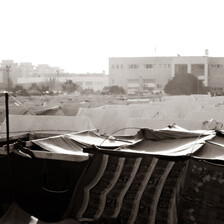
pixel 7 119
pixel 7 136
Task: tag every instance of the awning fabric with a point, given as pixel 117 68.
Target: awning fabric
pixel 144 178
pixel 46 124
pixel 173 141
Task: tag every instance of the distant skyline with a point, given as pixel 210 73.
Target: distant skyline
pixel 81 36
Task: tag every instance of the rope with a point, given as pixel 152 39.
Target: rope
pixel 198 138
pixel 17 101
pixel 118 131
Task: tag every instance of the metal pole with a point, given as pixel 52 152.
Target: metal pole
pixel 8 79
pixel 7 134
pixel 7 119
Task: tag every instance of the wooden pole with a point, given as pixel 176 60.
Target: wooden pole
pixel 7 119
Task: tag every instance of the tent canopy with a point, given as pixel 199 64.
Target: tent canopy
pixel 46 124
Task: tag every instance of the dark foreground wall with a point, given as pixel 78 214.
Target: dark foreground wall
pixel 41 187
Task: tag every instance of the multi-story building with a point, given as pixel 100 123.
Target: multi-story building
pixel 139 73
pixel 9 73
pixel 93 81
pixel 46 70
pixel 26 69
pixel 216 73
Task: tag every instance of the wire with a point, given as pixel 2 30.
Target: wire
pixel 199 136
pixel 141 128
pixel 17 101
pixel 118 131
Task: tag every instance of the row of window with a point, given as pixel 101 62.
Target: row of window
pixel 216 65
pixel 141 80
pixel 136 66
pixel 90 83
pixel 150 66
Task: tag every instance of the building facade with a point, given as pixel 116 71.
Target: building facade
pixel 151 73
pixel 91 81
pixel 9 72
pixel 95 81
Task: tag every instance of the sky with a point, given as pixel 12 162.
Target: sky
pixel 80 36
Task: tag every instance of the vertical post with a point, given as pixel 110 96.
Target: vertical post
pixel 8 79
pixel 188 68
pixel 206 71
pixel 7 134
pixel 7 119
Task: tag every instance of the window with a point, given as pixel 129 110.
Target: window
pixel 216 65
pixel 180 68
pixel 133 66
pixel 113 67
pixel 133 81
pixel 148 66
pixel 121 66
pixel 198 69
pixel 117 66
pixel 148 80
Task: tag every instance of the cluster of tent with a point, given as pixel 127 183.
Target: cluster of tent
pixel 190 112
pixel 160 162
pixel 168 175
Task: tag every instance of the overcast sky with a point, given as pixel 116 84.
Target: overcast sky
pixel 80 35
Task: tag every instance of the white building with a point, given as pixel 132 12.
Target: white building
pixel 94 81
pixel 9 73
pixel 139 73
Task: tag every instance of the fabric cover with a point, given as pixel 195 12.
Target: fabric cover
pixel 49 124
pixel 74 143
pixel 128 190
pixel 203 198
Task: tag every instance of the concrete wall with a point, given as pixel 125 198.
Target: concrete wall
pixel 86 81
pixel 216 73
pixel 123 71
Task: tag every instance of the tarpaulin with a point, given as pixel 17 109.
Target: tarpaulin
pixel 74 143
pixel 168 142
pixel 116 189
pixel 46 124
pixel 203 195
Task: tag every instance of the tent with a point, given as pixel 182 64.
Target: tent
pixel 19 124
pixel 133 124
pixel 55 110
pixel 164 175
pixel 102 118
pixel 157 176
pixel 203 116
pixel 37 110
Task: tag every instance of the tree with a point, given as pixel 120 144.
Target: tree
pixel 69 86
pixel 186 83
pixel 51 83
pixel 34 89
pixel 19 90
pixel 113 90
